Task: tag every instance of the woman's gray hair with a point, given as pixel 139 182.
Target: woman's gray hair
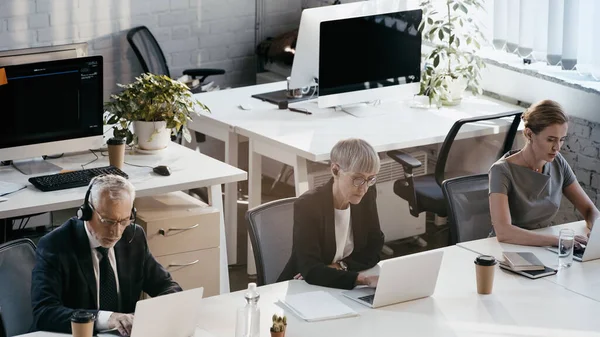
pixel 355 155
pixel 116 187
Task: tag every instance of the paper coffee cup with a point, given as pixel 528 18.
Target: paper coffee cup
pixel 116 152
pixel 485 266
pixel 82 324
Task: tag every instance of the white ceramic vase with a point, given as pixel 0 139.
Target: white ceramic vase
pixel 456 88
pixel 152 136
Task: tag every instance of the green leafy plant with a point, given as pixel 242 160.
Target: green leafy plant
pixel 456 37
pixel 152 98
pixel 279 323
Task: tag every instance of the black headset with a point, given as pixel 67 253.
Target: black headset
pixel 85 212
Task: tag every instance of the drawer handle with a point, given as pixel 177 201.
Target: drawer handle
pixel 163 232
pixel 183 264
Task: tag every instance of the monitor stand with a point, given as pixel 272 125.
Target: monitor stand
pixel 362 110
pixel 36 166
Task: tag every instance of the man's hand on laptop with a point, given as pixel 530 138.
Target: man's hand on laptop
pixel 122 322
pixel 370 281
pixel 581 240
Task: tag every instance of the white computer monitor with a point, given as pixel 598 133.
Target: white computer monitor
pixel 50 108
pixel 368 58
pixel 305 68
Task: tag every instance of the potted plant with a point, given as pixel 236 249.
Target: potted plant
pixel 279 326
pixel 157 106
pixel 453 64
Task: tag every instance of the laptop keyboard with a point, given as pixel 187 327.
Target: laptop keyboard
pixel 369 298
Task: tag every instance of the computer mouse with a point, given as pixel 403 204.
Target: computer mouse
pixel 162 170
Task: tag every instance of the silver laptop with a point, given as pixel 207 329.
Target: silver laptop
pixel 173 315
pixel 588 252
pixel 401 279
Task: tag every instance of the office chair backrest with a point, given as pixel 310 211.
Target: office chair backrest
pixel 441 168
pixel 17 259
pixel 2 329
pixel 148 51
pixel 270 227
pixel 468 207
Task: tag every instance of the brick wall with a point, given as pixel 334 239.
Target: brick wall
pixel 192 33
pixel 581 151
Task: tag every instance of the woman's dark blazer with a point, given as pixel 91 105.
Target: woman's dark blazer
pixel 314 243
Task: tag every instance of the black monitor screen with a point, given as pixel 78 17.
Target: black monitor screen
pixel 51 101
pixel 370 51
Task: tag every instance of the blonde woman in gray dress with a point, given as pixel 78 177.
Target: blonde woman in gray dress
pixel 527 185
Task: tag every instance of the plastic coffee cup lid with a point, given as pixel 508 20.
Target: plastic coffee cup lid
pixel 82 317
pixel 485 260
pixel 116 141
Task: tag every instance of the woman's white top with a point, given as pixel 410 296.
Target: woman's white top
pixel 344 240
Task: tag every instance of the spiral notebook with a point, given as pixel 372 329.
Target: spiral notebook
pixel 317 306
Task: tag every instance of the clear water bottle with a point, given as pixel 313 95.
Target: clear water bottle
pixel 248 317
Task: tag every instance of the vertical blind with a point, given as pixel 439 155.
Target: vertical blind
pixel 562 32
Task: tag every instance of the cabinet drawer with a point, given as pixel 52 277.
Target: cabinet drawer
pixel 177 223
pixel 194 269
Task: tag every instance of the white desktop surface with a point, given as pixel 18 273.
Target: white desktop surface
pixel 582 277
pixel 189 169
pixel 517 307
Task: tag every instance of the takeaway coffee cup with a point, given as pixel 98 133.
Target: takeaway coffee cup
pixel 116 152
pixel 485 266
pixel 82 324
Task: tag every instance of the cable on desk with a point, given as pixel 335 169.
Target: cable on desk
pixel 137 165
pixel 91 161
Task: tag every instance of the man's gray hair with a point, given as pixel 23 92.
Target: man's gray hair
pixel 113 186
pixel 355 155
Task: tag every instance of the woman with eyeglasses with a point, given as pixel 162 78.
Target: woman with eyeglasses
pixel 336 226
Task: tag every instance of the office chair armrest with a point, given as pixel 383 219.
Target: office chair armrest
pixel 406 160
pixel 202 72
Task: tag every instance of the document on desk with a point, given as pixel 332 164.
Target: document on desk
pixel 8 188
pixel 317 306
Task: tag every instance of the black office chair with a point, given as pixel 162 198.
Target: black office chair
pixel 468 207
pixel 424 193
pixel 152 59
pixel 2 329
pixel 17 259
pixel 270 227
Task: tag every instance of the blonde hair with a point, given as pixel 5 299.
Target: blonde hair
pixel 117 188
pixel 543 114
pixel 355 155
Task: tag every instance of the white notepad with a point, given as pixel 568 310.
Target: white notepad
pixel 317 306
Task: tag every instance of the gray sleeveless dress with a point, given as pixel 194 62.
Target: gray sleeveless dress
pixel 533 197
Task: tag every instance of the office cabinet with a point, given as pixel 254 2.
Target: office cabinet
pixel 183 236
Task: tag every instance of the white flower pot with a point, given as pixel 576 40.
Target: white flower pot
pixel 456 88
pixel 152 135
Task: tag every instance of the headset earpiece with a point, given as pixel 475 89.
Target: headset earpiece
pixel 85 211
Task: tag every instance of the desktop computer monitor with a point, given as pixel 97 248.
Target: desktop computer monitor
pixel 305 68
pixel 50 108
pixel 369 58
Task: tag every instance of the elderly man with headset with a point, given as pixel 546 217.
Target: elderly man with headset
pixel 98 262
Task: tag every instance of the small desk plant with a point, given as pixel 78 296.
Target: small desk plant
pixel 279 326
pixel 456 38
pixel 157 106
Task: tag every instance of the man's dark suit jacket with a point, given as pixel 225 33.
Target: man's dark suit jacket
pixel 314 243
pixel 63 277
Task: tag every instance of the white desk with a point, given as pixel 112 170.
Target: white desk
pixel 582 278
pixel 293 138
pixel 517 307
pixel 189 170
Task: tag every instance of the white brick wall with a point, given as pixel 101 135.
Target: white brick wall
pixel 192 33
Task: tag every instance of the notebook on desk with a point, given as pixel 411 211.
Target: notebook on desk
pixel 317 306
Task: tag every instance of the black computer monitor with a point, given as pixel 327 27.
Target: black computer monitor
pixel 51 107
pixel 369 53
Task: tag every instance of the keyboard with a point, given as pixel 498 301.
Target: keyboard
pixel 369 298
pixel 578 252
pixel 63 181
